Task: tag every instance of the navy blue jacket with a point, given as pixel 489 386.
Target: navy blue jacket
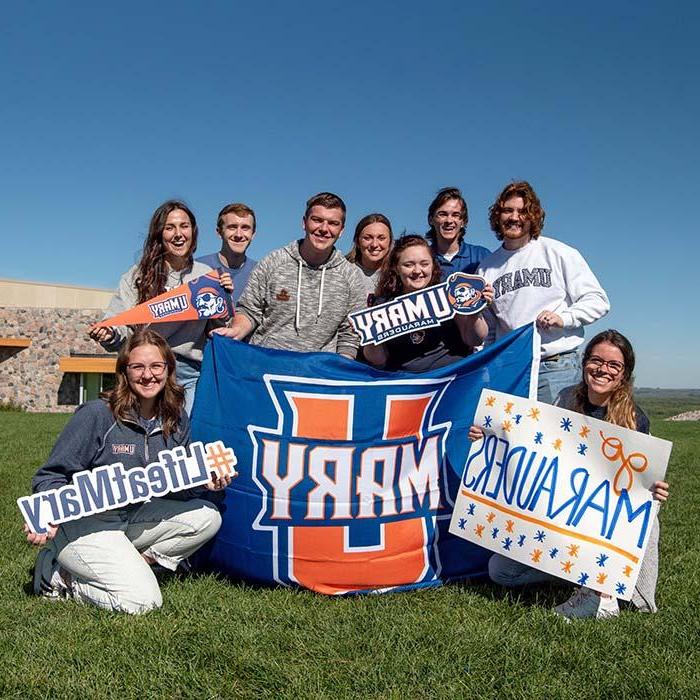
pixel 93 437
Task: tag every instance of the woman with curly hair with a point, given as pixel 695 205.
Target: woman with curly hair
pixel 605 392
pixel 166 262
pixel 411 266
pixel 106 559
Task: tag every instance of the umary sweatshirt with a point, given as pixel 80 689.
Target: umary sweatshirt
pixel 543 275
pixel 295 306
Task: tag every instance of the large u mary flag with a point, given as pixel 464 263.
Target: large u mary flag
pixel 347 474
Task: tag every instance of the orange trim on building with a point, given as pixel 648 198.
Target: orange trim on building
pixel 15 342
pixel 105 365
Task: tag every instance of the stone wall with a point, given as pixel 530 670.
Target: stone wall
pixel 30 377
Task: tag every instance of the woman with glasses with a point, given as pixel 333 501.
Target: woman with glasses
pixel 107 559
pixel 166 262
pixel 605 392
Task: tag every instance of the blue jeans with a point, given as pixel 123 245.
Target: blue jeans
pixel 512 574
pixel 187 374
pixel 558 374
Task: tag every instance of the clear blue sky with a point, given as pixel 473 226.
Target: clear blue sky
pixel 109 109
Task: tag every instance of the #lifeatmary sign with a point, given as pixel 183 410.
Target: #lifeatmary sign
pixel 111 486
pixel 561 492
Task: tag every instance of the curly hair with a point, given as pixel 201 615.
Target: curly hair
pixel 533 209
pixel 444 195
pixel 621 409
pixel 152 271
pixel 169 402
pixel 355 255
pixel 389 285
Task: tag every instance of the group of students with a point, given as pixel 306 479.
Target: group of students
pixel 299 298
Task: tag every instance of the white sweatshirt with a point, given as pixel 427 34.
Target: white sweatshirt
pixel 543 275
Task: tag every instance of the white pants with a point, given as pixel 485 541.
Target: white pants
pixel 102 553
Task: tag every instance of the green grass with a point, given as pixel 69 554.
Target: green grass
pixel 215 639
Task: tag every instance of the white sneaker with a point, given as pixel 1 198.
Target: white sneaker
pixel 585 602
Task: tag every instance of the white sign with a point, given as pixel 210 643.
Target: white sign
pixel 560 492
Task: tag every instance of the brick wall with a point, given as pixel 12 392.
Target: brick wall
pixel 30 376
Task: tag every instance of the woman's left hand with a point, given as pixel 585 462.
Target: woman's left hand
pixel 660 491
pixel 218 483
pixel 487 293
pixel 225 281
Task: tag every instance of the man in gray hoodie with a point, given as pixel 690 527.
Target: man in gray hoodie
pixel 299 297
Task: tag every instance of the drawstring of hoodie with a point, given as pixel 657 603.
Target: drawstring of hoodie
pixel 297 314
pixel 320 294
pixel 298 309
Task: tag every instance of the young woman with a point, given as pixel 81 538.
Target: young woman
pixel 371 244
pixel 604 392
pixel 105 559
pixel 166 262
pixel 411 266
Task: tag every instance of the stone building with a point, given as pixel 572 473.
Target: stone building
pixel 47 360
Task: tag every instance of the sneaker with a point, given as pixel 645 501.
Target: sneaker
pixel 585 602
pixel 48 582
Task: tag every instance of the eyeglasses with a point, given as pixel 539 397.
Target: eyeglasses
pixel 614 367
pixel 155 368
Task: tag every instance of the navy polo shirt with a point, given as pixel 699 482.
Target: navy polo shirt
pixel 467 259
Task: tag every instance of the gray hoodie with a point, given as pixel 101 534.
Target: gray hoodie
pixel 294 306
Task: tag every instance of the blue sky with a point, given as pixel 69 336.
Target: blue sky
pixel 107 110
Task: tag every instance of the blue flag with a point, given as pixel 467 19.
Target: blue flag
pixel 347 474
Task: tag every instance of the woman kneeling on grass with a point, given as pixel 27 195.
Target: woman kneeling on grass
pixel 106 559
pixel 410 267
pixel 605 392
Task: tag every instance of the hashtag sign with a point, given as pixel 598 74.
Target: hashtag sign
pixel 221 459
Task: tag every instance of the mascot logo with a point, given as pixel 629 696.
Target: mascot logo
pixel 209 303
pixel 346 512
pixel 464 292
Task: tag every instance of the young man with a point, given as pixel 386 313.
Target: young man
pixel 236 228
pixel 543 280
pixel 448 218
pixel 299 297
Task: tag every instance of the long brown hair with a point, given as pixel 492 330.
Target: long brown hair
pixel 169 403
pixel 152 271
pixel 533 209
pixel 621 409
pixel 355 255
pixel 389 285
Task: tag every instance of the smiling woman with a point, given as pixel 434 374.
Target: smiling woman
pixel 166 262
pixel 106 559
pixel 605 392
pixel 410 267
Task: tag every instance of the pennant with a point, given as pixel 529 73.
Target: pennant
pixel 202 298
pixel 459 294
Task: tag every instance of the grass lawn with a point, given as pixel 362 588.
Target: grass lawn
pixel 215 639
